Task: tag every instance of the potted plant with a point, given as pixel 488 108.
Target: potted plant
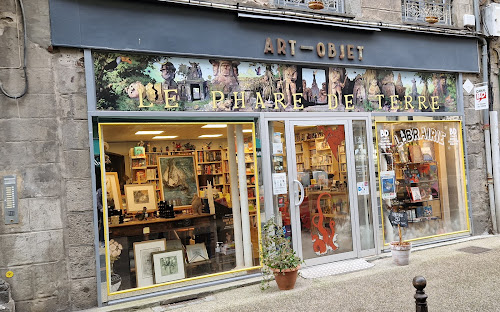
pixel 278 258
pixel 400 250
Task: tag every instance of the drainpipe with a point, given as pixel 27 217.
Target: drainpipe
pixel 495 153
pixel 487 140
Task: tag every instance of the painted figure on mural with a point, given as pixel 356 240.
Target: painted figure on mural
pixel 306 92
pixel 359 92
pixel 373 93
pixel 225 75
pixel 268 84
pixel 336 83
pixel 388 86
pixel 168 73
pixel 400 89
pixel 135 89
pixel 290 74
pixel 323 94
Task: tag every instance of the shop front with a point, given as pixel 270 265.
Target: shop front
pixel 201 135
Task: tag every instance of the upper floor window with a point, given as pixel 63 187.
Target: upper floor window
pixel 330 6
pixel 430 11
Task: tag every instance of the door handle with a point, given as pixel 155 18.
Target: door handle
pixel 301 199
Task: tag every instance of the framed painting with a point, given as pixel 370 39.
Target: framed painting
pixel 138 196
pixel 168 266
pixel 113 190
pixel 178 179
pixel 143 257
pixel 196 252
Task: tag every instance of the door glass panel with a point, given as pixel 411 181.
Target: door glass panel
pixel 281 201
pixel 363 184
pixel 325 216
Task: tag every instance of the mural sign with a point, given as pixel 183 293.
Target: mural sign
pixel 127 82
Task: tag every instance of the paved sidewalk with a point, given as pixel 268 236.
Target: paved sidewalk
pixel 456 281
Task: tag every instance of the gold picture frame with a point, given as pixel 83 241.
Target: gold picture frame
pixel 138 196
pixel 113 188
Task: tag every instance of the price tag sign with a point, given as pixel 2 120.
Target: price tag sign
pixel 398 218
pixel 481 97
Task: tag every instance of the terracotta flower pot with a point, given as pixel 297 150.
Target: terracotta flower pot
pixel 316 5
pixel 401 253
pixel 431 19
pixel 286 278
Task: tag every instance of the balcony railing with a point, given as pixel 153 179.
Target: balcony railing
pixel 331 6
pixel 418 10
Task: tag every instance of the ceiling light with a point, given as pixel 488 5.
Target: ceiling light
pixel 165 137
pixel 149 132
pixel 247 130
pixel 215 126
pixel 210 135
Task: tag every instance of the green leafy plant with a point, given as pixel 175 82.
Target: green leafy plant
pixel 277 252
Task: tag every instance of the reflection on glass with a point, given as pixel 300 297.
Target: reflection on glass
pixel 322 169
pixel 168 203
pixel 421 176
pixel 279 176
pixel 363 185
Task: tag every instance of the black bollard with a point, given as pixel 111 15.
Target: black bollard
pixel 419 283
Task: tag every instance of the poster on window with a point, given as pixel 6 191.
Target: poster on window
pixel 388 180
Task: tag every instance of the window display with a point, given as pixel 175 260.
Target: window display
pixel 421 175
pixel 167 202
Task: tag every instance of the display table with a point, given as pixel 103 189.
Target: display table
pixel 159 225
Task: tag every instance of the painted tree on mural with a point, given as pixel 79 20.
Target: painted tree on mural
pixel 116 75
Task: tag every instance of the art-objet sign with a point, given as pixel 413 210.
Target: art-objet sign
pixel 128 82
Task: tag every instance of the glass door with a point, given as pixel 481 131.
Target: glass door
pixel 323 206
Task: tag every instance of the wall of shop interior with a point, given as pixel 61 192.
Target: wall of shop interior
pixel 44 142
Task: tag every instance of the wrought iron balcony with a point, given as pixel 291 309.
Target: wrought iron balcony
pixel 437 11
pixel 330 6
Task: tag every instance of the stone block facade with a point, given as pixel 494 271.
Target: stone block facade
pixel 44 140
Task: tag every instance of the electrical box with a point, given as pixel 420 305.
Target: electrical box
pixel 491 24
pixel 469 20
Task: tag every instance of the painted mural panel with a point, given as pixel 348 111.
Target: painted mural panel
pixel 138 82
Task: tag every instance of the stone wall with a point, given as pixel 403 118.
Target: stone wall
pixel 44 141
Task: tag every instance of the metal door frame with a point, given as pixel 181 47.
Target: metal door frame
pixel 330 118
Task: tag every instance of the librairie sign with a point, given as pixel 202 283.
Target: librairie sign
pixel 127 82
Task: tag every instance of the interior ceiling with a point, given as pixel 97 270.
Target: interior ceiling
pixel 126 132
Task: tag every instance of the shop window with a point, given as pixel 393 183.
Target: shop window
pixel 179 203
pixel 428 11
pixel 330 6
pixel 421 178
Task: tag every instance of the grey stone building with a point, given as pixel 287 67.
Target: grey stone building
pixel 53 256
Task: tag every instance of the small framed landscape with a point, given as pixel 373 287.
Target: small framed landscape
pixel 168 266
pixel 139 196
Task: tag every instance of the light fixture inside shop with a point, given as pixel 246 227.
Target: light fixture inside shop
pixel 247 130
pixel 149 132
pixel 165 137
pixel 215 126
pixel 210 135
